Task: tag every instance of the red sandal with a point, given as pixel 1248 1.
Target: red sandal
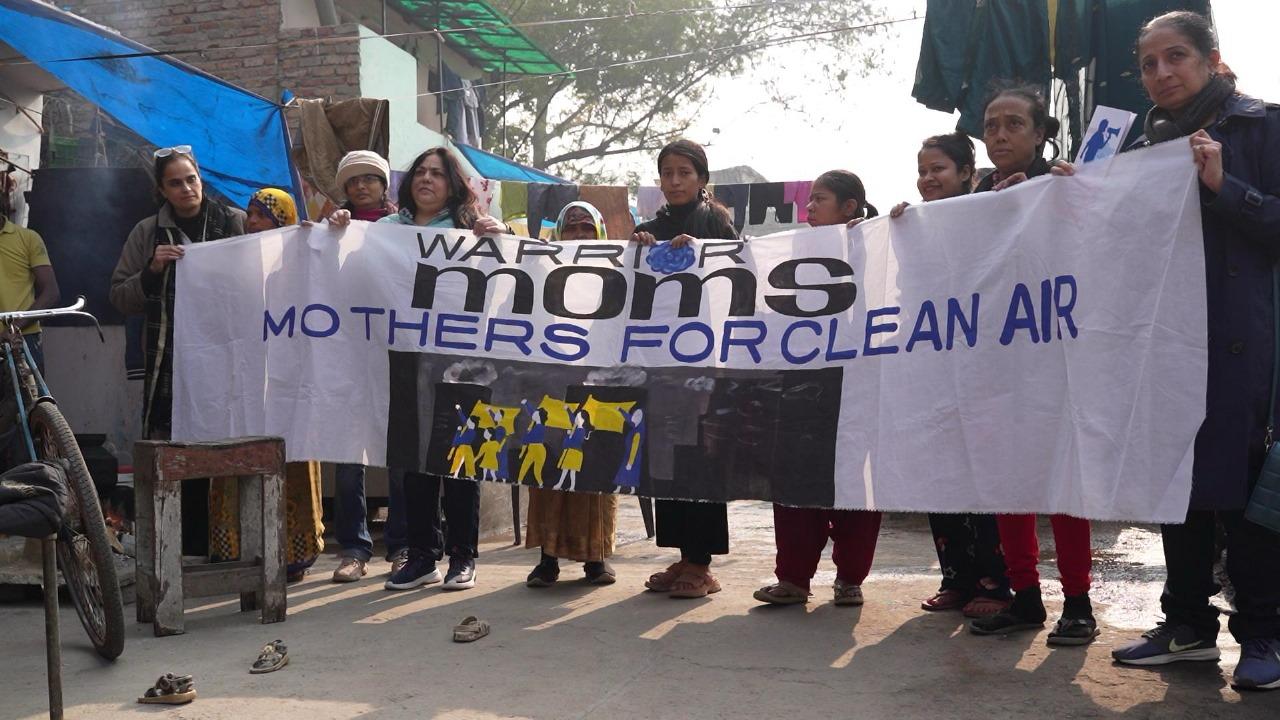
pixel 944 600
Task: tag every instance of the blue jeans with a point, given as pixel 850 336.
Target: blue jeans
pixel 351 514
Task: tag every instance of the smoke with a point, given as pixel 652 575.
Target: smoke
pixel 701 383
pixel 617 376
pixel 476 372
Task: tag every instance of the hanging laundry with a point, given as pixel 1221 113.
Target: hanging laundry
pixel 515 199
pixel 765 196
pixel 487 194
pixel 797 193
pixel 735 198
pixel 545 202
pixel 612 203
pixel 648 200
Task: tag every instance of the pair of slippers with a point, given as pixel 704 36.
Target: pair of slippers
pixel 172 689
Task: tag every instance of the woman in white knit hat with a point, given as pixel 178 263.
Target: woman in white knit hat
pixel 364 177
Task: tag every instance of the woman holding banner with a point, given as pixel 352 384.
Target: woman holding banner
pixel 570 525
pixel 435 193
pixel 1235 144
pixel 1016 126
pixel 837 198
pixel 143 284
pixel 968 544
pixel 698 529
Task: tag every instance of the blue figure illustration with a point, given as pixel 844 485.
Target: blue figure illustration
pixel 502 471
pixel 1099 140
pixel 461 453
pixel 665 259
pixel 533 451
pixel 628 477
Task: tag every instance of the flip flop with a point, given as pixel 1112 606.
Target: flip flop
pixel 170 689
pixel 274 656
pixel 470 629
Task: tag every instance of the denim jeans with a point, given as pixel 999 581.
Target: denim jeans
pixel 351 513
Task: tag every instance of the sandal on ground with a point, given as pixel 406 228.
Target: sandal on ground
pixel 1073 631
pixel 980 607
pixel 847 594
pixel 782 593
pixel 470 629
pixel 944 600
pixel 599 573
pixel 274 656
pixel 170 689
pixel 663 581
pixel 693 584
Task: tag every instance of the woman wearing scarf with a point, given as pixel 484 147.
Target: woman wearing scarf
pixel 1016 126
pixel 268 209
pixel 435 193
pixel 570 525
pixel 698 529
pixel 143 283
pixel 1235 144
pixel 364 176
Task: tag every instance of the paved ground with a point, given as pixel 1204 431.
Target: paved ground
pixel 574 651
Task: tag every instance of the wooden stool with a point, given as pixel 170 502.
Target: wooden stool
pixel 163 584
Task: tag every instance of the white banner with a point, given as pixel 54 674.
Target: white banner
pixel 1038 349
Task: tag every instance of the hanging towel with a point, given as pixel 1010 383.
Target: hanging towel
pixel 798 193
pixel 612 203
pixel 515 199
pixel 735 198
pixel 648 200
pixel 545 203
pixel 765 196
pixel 487 195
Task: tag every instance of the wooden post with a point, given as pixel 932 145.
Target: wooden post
pixel 52 646
pixel 272 530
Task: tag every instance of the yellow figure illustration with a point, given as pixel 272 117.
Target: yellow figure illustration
pixel 462 455
pixel 533 452
pixel 571 455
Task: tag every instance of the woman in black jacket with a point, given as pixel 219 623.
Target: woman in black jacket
pixel 699 529
pixel 1235 143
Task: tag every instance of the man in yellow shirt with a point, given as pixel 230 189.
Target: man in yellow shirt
pixel 27 281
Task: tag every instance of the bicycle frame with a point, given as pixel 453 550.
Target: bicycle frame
pixel 42 394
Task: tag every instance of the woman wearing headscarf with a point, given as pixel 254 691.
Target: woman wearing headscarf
pixel 698 529
pixel 143 283
pixel 570 525
pixel 269 209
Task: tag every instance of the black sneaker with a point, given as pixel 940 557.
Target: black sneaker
pixel 419 569
pixel 1167 643
pixel 1077 626
pixel 1026 613
pixel 461 575
pixel 544 574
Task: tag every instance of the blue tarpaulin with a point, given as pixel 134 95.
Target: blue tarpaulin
pixel 239 138
pixel 496 167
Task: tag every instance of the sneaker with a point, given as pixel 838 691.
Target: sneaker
pixel 1167 643
pixel 847 593
pixel 1026 612
pixel 419 569
pixel 1077 625
pixel 461 575
pixel 349 570
pixel 1259 666
pixel 544 574
pixel 398 560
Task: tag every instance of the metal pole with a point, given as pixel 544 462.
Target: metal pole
pixel 440 66
pixel 52 647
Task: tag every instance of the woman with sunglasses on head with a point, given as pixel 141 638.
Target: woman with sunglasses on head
pixel 143 283
pixel 435 193
pixel 800 533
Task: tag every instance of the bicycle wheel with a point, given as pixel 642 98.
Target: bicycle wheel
pixel 84 554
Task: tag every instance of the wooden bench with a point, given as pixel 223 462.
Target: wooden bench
pixel 163 583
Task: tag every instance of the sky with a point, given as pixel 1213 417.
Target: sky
pixel 882 125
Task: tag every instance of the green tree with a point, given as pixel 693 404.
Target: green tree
pixel 568 124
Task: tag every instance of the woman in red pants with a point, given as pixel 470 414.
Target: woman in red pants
pixel 1016 124
pixel 837 197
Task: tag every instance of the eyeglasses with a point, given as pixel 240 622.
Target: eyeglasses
pixel 365 179
pixel 167 151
